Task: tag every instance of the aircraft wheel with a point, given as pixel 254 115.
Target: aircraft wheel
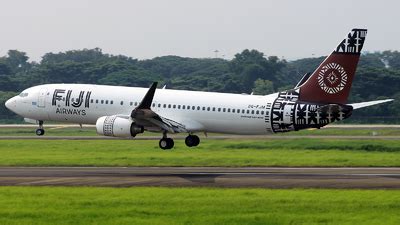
pixel 192 140
pixel 39 132
pixel 166 143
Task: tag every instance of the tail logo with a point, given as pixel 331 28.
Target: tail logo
pixel 332 78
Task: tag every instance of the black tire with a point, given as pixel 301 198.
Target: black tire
pixel 192 140
pixel 39 132
pixel 196 140
pixel 163 143
pixel 189 141
pixel 170 142
pixel 166 143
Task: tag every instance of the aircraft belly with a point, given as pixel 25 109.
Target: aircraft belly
pixel 237 125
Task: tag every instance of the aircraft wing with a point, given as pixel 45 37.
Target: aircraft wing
pixel 365 104
pixel 166 124
pixel 144 116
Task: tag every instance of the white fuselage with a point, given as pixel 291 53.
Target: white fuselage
pixel 198 111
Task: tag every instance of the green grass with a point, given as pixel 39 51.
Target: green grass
pixel 233 153
pixel 83 205
pixel 90 131
pixel 345 132
pixel 57 131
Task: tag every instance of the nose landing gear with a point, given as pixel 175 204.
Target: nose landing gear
pixel 40 130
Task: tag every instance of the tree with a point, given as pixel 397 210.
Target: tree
pixel 18 61
pixel 263 87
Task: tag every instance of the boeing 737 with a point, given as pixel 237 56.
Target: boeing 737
pixel 318 99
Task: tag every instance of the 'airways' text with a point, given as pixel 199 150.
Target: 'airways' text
pixel 80 112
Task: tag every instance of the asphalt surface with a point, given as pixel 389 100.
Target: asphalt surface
pixel 264 177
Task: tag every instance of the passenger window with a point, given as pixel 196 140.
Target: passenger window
pixel 102 101
pixel 106 101
pixel 97 101
pixel 159 105
pixel 91 100
pixel 238 111
pixel 193 107
pixel 248 111
pixel 169 106
pixel 219 109
pixel 165 105
pixel 72 99
pixel 122 102
pixel 242 110
pixel 262 112
pixel 257 112
pixel 252 111
pixel 229 110
pixel 223 110
pixel 213 109
pixel 198 107
pixel 131 103
pixel 112 102
pixel 154 104
pixel 179 106
pixel 188 107
pixel 208 108
pixel 174 106
pixel 204 108
pixel 136 103
pixel 183 107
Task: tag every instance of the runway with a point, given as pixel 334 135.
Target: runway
pixel 262 177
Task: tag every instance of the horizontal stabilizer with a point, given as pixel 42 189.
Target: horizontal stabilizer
pixel 365 104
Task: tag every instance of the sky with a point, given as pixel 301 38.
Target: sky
pixel 149 28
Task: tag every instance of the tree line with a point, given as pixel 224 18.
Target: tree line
pixel 250 71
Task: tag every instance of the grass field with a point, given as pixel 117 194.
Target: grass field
pixel 233 153
pixel 81 205
pixel 90 131
pixel 23 131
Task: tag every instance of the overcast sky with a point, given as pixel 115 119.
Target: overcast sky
pixel 150 28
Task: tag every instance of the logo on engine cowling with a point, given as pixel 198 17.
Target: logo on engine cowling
pixel 332 78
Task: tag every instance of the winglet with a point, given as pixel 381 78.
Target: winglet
pixel 148 98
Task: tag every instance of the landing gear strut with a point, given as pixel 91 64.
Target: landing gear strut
pixel 165 142
pixel 40 130
pixel 192 140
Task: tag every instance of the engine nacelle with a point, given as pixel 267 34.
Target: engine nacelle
pixel 117 127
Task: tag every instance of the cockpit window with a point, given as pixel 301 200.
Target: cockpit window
pixel 23 94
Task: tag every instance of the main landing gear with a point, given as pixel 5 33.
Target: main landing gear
pixel 40 130
pixel 168 143
pixel 165 142
pixel 192 140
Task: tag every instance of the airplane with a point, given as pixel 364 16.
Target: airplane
pixel 318 99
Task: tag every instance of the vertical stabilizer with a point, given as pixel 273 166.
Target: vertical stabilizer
pixel 331 81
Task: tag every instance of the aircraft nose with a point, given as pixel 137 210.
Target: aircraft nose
pixel 11 103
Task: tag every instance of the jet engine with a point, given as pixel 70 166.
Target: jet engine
pixel 117 127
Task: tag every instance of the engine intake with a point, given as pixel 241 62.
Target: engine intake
pixel 117 127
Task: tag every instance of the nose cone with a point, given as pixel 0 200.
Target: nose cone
pixel 11 104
